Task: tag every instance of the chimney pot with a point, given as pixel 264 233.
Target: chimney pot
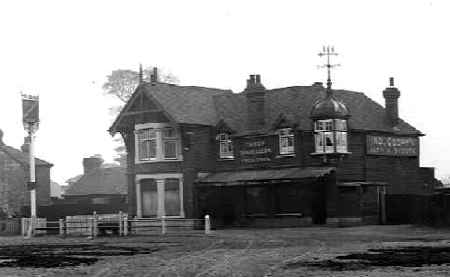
pixel 258 79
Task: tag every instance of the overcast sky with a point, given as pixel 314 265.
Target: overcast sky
pixel 63 50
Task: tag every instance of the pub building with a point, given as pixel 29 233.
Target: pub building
pixel 291 156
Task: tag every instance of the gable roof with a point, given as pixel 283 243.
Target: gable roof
pixel 21 157
pixel 109 180
pixel 207 106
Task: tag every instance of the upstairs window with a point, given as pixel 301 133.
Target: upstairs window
pixel 157 142
pixel 225 146
pixel 286 140
pixel 169 137
pixel 147 144
pixel 330 136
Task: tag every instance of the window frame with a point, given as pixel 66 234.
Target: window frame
pixel 226 148
pixel 284 136
pixel 336 130
pixel 160 138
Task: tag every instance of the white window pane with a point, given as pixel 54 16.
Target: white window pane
pixel 319 142
pixel 169 133
pixel 341 141
pixel 329 142
pixel 170 149
pixel 152 149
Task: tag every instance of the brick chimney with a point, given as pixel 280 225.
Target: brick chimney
pixel 91 164
pixel 255 93
pixel 391 95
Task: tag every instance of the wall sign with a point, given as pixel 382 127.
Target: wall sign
pixel 392 146
pixel 255 151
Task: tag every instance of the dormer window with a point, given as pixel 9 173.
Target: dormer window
pixel 330 136
pixel 286 141
pixel 225 146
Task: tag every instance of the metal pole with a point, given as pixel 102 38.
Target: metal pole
pixel 32 174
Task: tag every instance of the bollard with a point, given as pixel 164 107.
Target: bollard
pixel 125 225
pixel 207 225
pixel 163 225
pixel 120 224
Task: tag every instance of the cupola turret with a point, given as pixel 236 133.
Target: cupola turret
pixel 329 116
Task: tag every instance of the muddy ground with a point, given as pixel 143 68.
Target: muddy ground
pixel 316 251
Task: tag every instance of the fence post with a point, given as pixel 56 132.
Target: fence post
pixel 207 225
pixel 94 225
pixel 125 225
pixel 22 224
pixel 61 227
pixel 163 225
pixel 120 224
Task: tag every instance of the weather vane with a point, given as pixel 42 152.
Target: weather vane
pixel 328 51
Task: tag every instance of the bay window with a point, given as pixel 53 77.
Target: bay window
pixel 157 142
pixel 330 136
pixel 286 141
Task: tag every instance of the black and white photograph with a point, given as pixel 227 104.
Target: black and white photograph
pixel 224 138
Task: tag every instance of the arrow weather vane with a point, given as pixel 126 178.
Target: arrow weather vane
pixel 328 51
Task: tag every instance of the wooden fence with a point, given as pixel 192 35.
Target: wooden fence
pixel 116 224
pixel 9 227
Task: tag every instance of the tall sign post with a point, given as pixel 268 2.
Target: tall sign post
pixel 30 117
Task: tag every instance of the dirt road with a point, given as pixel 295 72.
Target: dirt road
pixel 316 251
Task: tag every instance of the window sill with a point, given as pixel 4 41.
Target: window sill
pixel 329 153
pixel 285 156
pixel 226 159
pixel 290 215
pixel 157 161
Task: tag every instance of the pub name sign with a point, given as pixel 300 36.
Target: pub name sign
pixel 392 146
pixel 255 151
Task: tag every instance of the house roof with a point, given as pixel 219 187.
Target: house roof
pixel 110 180
pixel 21 157
pixel 207 106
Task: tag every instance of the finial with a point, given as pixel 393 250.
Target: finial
pixel 328 51
pixel 391 82
pixel 141 74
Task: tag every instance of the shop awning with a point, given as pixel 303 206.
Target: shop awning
pixel 229 178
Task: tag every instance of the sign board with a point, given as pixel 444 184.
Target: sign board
pixel 30 109
pixel 392 146
pixel 255 150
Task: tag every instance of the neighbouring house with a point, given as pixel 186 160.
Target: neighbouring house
pixel 98 185
pixel 288 156
pixel 14 172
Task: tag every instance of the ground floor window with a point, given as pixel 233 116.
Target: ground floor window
pixel 287 199
pixel 159 196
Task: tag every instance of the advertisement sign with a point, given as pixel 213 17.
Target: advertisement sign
pixel 255 150
pixel 392 146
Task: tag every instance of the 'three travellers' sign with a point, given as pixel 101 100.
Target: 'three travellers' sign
pixel 392 146
pixel 255 151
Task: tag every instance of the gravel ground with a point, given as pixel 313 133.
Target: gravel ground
pixel 313 251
